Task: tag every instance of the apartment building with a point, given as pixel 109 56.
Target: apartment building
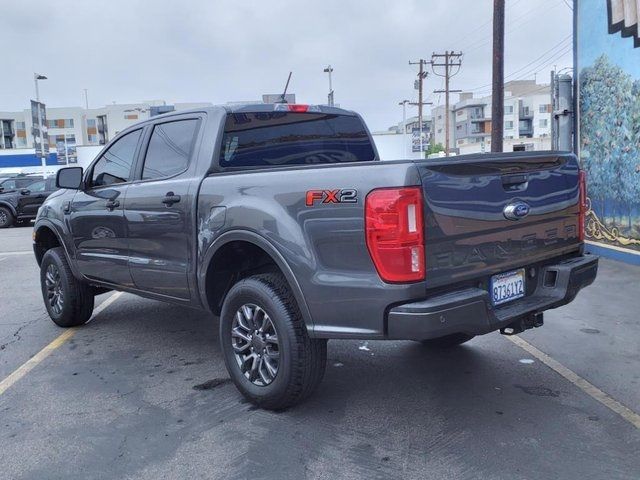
pixel 68 127
pixel 527 116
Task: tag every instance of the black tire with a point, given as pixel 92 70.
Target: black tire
pixel 77 298
pixel 301 361
pixel 6 217
pixel 449 341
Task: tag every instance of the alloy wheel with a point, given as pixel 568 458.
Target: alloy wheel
pixel 255 344
pixel 53 283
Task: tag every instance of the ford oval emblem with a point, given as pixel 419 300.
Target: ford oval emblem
pixel 516 211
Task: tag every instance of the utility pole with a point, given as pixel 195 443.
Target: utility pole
pixel 497 94
pixel 421 76
pixel 86 99
pixel 451 64
pixel 329 70
pixel 404 125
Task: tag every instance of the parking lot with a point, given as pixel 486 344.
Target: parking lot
pixel 142 392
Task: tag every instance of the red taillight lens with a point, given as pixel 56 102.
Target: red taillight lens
pixel 582 182
pixel 298 108
pixel 395 233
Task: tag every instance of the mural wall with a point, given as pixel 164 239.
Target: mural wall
pixel 608 69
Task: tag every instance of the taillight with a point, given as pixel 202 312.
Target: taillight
pixel 582 182
pixel 395 233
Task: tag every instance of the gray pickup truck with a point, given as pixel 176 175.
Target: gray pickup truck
pixel 281 220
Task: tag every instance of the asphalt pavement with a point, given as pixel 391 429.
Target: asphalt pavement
pixel 141 392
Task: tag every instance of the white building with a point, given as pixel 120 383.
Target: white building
pixel 68 127
pixel 527 119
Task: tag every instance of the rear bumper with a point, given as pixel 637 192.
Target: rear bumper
pixel 470 311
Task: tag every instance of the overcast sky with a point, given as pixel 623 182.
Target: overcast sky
pixel 232 50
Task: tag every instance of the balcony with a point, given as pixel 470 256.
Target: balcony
pixel 525 112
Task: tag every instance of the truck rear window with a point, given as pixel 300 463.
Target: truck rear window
pixel 286 138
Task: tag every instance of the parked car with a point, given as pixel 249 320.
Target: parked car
pixel 281 220
pixel 17 181
pixel 19 203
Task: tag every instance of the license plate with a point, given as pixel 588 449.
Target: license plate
pixel 507 286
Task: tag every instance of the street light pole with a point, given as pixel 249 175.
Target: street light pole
pixel 404 125
pixel 329 70
pixel 43 158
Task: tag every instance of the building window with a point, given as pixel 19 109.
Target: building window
pixel 20 126
pixel 508 125
pixel 60 123
pixel 91 123
pixel 92 138
pixel 508 109
pixel 545 108
pixel 131 116
pixel 543 123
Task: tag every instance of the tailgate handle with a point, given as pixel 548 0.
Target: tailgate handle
pixel 513 181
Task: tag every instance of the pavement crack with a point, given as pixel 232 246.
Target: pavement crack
pixel 15 336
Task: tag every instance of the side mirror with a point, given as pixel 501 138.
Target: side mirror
pixel 25 191
pixel 70 178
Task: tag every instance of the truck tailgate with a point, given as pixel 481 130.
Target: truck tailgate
pixel 467 232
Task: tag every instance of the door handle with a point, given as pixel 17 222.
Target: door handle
pixel 112 204
pixel 170 198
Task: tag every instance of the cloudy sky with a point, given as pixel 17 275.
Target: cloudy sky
pixel 234 50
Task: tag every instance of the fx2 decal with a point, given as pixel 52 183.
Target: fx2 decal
pixel 344 195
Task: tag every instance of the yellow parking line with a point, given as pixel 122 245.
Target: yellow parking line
pixel 46 351
pixel 612 404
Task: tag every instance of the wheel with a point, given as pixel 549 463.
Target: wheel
pixel 265 344
pixel 449 341
pixel 6 217
pixel 68 301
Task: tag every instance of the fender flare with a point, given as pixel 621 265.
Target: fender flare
pixel 42 223
pixel 259 241
pixel 14 212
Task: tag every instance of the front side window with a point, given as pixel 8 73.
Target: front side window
pixel 36 186
pixel 286 138
pixel 169 149
pixel 114 166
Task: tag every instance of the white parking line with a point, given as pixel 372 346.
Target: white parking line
pixel 22 252
pixel 46 351
pixel 612 404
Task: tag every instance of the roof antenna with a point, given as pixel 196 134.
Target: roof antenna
pixel 282 97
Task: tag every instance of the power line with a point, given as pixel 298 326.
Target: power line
pixel 559 44
pixel 513 24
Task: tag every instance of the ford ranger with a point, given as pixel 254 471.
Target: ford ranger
pixel 281 220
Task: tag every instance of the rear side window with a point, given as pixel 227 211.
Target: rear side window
pixel 115 164
pixel 169 149
pixel 286 138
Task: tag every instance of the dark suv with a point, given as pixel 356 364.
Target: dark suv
pixel 21 197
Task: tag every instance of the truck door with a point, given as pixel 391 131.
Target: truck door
pixel 31 197
pixel 160 210
pixel 96 213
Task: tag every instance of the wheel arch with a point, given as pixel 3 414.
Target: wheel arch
pixel 14 212
pixel 253 245
pixel 46 236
